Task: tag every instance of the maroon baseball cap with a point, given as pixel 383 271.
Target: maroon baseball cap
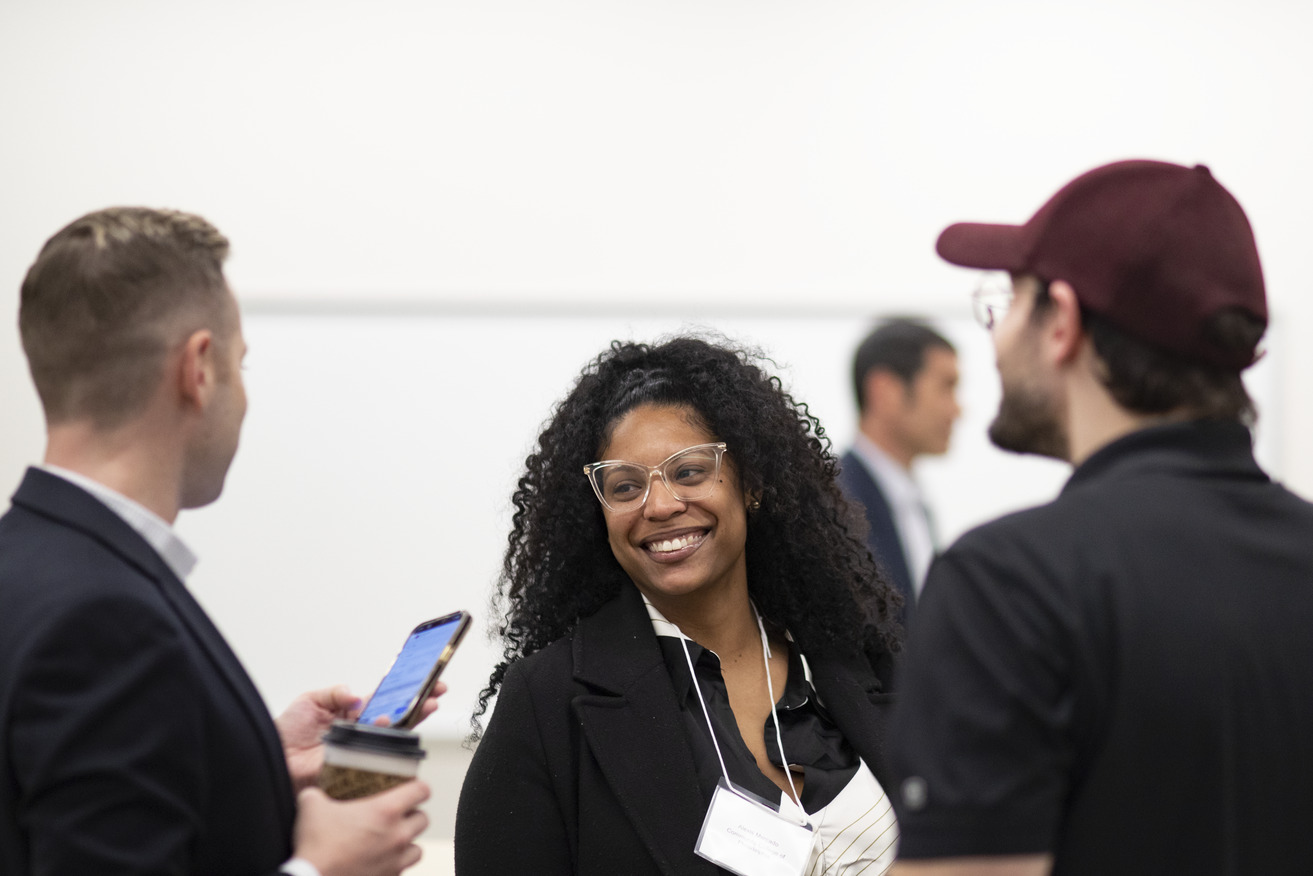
pixel 1154 248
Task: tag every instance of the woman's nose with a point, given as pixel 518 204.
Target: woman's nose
pixel 661 501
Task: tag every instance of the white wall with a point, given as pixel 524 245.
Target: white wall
pixel 377 495
pixel 440 210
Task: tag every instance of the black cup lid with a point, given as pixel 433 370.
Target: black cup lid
pixel 378 740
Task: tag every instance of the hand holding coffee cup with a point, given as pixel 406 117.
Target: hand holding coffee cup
pixel 363 759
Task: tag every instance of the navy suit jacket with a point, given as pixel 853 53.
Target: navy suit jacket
pixel 881 534
pixel 586 767
pixel 131 739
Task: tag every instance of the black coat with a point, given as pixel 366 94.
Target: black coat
pixel 586 768
pixel 131 739
pixel 882 534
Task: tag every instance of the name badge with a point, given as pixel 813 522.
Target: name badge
pixel 751 839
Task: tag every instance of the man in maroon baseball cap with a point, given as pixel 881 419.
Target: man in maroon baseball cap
pixel 1120 681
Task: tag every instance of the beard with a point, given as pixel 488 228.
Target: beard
pixel 1029 421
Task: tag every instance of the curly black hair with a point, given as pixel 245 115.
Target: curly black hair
pixel 807 559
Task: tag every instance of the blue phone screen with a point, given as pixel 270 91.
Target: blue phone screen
pixel 402 684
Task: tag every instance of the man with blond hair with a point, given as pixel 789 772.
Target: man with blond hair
pixel 131 739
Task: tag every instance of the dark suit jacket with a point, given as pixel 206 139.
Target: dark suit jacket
pixel 586 768
pixel 881 534
pixel 131 739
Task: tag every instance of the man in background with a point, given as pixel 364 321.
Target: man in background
pixel 131 739
pixel 905 381
pixel 1120 681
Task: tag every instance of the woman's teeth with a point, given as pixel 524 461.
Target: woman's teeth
pixel 673 544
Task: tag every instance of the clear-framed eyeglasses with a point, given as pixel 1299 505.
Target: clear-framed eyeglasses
pixel 992 298
pixel 689 474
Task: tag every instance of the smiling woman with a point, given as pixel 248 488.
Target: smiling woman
pixel 680 549
pixel 689 604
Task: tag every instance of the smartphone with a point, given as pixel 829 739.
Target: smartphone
pixel 408 683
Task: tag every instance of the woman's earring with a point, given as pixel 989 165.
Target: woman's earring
pixel 754 505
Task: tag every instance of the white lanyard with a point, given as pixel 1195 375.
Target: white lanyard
pixel 770 689
pixel 740 833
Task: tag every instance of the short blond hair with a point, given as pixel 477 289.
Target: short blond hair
pixel 106 299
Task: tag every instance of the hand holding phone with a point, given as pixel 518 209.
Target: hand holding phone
pixel 401 694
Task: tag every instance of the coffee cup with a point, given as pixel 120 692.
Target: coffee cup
pixel 361 759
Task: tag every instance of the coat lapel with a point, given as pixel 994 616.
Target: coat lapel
pixel 633 727
pixel 859 706
pixel 67 503
pixel 882 533
pixel 239 682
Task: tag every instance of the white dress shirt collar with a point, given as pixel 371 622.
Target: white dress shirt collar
pixel 660 625
pixel 149 525
pixel 663 627
pixel 911 517
pixel 896 481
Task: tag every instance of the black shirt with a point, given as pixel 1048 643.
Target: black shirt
pixel 811 739
pixel 1123 677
